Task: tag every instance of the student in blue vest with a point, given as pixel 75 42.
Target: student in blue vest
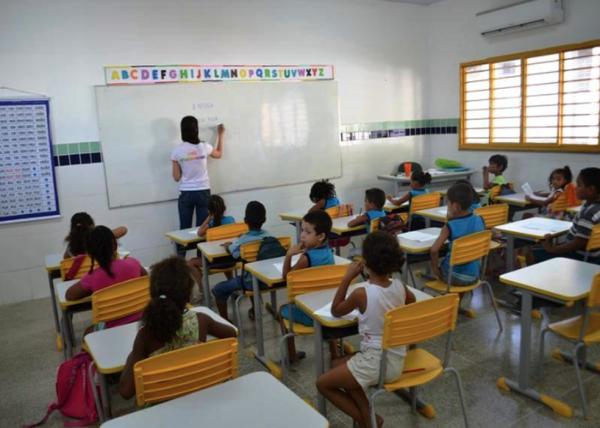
pixel 374 202
pixel 314 251
pixel 461 222
pixel 418 182
pixel 476 203
pixel 322 195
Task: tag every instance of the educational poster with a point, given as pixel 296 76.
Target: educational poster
pixel 27 182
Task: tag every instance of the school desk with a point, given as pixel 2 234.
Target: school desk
pixel 185 237
pixel 296 218
pixel 310 303
pixel 391 208
pixel 516 200
pixel 439 214
pixel 211 252
pixel 561 279
pixel 533 229
pixel 417 242
pixel 68 308
pixel 436 177
pixel 574 210
pixel 255 400
pixel 52 264
pixel 110 348
pixel 339 224
pixel 268 271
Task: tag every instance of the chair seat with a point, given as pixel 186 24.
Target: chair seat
pixel 299 329
pixel 494 245
pixel 420 367
pixel 571 327
pixel 404 217
pixel 442 287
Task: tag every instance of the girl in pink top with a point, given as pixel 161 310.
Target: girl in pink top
pixel 102 249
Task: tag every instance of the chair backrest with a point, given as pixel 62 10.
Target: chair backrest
pixel 249 251
pixel 470 248
pixel 84 267
pixel 226 231
pixel 493 215
pixel 593 300
pixel 120 300
pixel 314 279
pixel 426 201
pixel 420 321
pixel 593 242
pixel 185 370
pixel 560 204
pixel 342 210
pixel 375 224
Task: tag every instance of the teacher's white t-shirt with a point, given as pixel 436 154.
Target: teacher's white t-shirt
pixel 192 159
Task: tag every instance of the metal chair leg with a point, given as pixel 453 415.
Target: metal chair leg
pixel 576 350
pixel 95 392
pixel 461 393
pixel 238 319
pixel 284 357
pixel 541 352
pixel 494 305
pixel 372 407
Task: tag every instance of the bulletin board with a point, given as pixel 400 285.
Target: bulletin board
pixel 27 180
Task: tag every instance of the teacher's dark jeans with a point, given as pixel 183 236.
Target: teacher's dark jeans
pixel 189 201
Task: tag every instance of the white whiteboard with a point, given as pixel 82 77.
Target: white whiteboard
pixel 276 133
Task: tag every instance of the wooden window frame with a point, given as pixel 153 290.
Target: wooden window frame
pixel 523 145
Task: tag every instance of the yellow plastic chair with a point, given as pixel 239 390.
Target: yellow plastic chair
pixel 495 191
pixel 464 250
pixel 300 282
pixel 583 330
pixel 249 254
pixel 493 215
pixel 342 210
pixel 423 202
pixel 226 231
pixel 120 300
pixel 375 224
pixel 66 264
pixel 593 243
pixel 411 325
pixel 560 205
pixel 180 372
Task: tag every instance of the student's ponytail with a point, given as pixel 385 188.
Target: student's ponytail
pixel 170 291
pixel 81 223
pixel 216 206
pixel 101 247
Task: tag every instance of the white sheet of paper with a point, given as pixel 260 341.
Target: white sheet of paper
pixel 418 236
pixel 539 224
pixel 279 265
pixel 193 232
pixel 325 312
pixel 527 189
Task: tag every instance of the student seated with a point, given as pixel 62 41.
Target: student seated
pixel 588 190
pixel 461 222
pixel 497 164
pixel 167 324
pixel 347 382
pixel 476 201
pixel 561 186
pixel 102 248
pixel 216 217
pixel 255 217
pixel 374 202
pixel 81 224
pixel 418 182
pixel 322 195
pixel 315 251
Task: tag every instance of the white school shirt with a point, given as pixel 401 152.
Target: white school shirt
pixel 379 301
pixel 192 160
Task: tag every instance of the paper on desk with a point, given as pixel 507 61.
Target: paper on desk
pixel 325 312
pixel 540 224
pixel 418 236
pixel 193 232
pixel 529 192
pixel 279 265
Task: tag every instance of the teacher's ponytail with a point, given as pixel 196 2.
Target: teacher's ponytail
pixel 189 130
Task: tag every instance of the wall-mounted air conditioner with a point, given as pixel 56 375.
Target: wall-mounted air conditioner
pixel 520 16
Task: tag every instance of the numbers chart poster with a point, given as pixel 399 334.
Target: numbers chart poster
pixel 27 181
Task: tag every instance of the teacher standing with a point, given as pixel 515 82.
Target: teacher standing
pixel 189 161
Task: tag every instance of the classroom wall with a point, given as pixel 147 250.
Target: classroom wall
pixel 453 39
pixel 58 48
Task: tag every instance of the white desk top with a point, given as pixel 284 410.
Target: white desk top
pixel 436 175
pixel 574 210
pixel 52 261
pixel 416 242
pixel 389 207
pixel 535 227
pixel 295 215
pixel 267 271
pixel 564 279
pixel 214 249
pixel 340 225
pixel 256 400
pixel 185 236
pixel 61 287
pixel 517 199
pixel 312 302
pixel 437 213
pixel 109 348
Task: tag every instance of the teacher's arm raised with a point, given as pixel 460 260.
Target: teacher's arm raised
pixel 218 150
pixel 176 170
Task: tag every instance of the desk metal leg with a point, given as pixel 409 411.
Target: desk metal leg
pixel 105 397
pixel 298 224
pixel 319 365
pixel 523 386
pixel 510 253
pixel 205 284
pixel 260 346
pixel 54 309
pixel 67 334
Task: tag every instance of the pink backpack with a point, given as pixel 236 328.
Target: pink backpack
pixel 75 397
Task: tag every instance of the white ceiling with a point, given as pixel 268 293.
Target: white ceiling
pixel 423 2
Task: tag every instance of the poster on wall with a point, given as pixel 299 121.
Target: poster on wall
pixel 148 74
pixel 27 181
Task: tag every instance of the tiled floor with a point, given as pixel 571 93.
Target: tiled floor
pixel 28 362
